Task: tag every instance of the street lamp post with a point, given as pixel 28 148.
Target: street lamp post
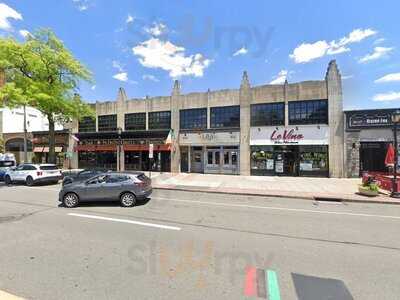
pixel 119 149
pixel 395 121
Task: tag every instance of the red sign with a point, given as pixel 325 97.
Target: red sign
pixel 287 136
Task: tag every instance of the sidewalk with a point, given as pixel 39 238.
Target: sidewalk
pixel 289 187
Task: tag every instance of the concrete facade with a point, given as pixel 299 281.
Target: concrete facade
pixel 330 89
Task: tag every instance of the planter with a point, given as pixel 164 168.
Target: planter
pixel 365 191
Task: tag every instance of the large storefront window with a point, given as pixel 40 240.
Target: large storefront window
pixel 290 160
pixel 160 120
pixel 262 160
pixel 135 121
pixel 87 124
pixel 193 118
pixel 225 117
pixel 313 161
pixel 97 160
pixel 308 112
pixel 268 114
pixel 107 123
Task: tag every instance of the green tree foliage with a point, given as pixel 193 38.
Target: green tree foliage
pixel 41 72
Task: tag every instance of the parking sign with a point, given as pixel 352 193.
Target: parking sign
pixel 151 150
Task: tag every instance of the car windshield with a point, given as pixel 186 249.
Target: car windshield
pixel 4 164
pixel 48 167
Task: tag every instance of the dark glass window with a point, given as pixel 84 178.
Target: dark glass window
pixel 160 120
pixel 225 116
pixel 87 124
pixel 107 123
pixel 193 118
pixel 308 112
pixel 136 121
pixel 268 114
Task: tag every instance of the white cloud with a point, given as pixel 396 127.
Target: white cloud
pixel 344 77
pixel 6 13
pixel 391 96
pixel 123 76
pixel 307 52
pixel 241 51
pixel 157 29
pixel 155 53
pixel 379 52
pixel 150 77
pixel 93 87
pixel 82 5
pixel 379 41
pixel 280 78
pixel 130 19
pixel 24 33
pixel 389 78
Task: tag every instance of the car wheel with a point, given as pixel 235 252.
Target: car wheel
pixel 70 200
pixel 29 181
pixel 7 180
pixel 128 200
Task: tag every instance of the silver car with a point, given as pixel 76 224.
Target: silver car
pixel 113 186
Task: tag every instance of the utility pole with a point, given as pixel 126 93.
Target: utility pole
pixel 25 138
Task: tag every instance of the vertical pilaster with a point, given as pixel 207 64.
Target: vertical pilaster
pixel 245 97
pixel 147 100
pixel 336 121
pixel 208 110
pixel 121 102
pixel 73 127
pixel 175 149
pixel 285 88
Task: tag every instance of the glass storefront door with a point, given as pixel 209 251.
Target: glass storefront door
pixel 222 160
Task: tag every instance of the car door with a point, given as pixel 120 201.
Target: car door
pixel 92 190
pixel 112 187
pixel 18 173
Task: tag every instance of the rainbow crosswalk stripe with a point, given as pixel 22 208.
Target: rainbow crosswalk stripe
pixel 262 284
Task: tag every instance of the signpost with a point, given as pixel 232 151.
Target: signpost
pixel 151 155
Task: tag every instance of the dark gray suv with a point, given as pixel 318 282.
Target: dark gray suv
pixel 127 187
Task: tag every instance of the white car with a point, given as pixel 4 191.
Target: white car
pixel 31 174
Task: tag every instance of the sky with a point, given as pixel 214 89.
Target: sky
pixel 143 46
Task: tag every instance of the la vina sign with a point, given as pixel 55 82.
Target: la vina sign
pixel 299 135
pixel 288 136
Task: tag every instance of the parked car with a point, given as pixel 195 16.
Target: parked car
pixel 32 173
pixel 82 175
pixel 126 187
pixel 7 161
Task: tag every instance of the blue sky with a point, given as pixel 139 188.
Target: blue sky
pixel 144 45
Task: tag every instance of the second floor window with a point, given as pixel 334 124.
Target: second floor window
pixel 225 116
pixel 87 124
pixel 193 118
pixel 136 121
pixel 160 120
pixel 308 112
pixel 107 123
pixel 267 114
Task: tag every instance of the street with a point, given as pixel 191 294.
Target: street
pixel 182 245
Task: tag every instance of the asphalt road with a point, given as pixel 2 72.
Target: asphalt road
pixel 183 245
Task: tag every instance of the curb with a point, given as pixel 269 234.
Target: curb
pixel 312 198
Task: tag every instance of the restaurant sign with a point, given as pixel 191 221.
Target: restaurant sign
pixel 363 119
pixel 209 138
pixel 292 135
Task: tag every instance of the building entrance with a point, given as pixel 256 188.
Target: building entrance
pixel 372 156
pixel 286 158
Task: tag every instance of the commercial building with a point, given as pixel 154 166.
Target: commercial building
pixel 367 137
pixel 291 129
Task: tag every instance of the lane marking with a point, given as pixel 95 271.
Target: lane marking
pixel 7 296
pixel 250 289
pixel 280 208
pixel 125 221
pixel 273 287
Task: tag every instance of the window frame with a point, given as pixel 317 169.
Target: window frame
pixel 265 113
pixel 223 116
pixel 113 118
pixel 189 118
pixel 87 124
pixel 299 112
pixel 161 124
pixel 135 121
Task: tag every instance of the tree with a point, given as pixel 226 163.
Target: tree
pixel 1 145
pixel 41 72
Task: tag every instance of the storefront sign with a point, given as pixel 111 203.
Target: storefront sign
pixel 362 119
pixel 297 135
pixel 209 138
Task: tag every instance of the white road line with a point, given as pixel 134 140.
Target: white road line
pixel 280 208
pixel 7 296
pixel 125 221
